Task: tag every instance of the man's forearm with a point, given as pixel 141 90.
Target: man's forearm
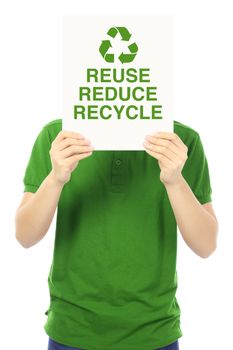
pixel 197 226
pixel 33 219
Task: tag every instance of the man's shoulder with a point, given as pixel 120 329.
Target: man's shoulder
pixel 53 127
pixel 187 134
pixel 53 124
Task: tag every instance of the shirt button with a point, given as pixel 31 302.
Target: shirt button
pixel 118 162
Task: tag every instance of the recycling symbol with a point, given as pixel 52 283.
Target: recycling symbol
pixel 125 36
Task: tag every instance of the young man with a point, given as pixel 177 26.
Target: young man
pixel 113 279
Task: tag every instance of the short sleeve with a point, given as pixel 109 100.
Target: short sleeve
pixel 39 164
pixel 196 172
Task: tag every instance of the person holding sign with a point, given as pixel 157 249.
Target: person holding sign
pixel 113 276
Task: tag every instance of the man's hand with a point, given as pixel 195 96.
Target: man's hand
pixel 171 153
pixel 198 227
pixel 67 149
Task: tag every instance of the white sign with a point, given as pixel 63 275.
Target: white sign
pixel 117 78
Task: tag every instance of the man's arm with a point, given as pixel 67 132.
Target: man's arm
pixel 36 211
pixel 197 222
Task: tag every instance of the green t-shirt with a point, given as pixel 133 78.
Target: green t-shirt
pixel 113 279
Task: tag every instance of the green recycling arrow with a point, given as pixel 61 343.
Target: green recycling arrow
pixel 125 36
pixel 105 45
pixel 129 57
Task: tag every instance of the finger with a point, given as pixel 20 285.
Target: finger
pixel 163 142
pixel 167 163
pixel 162 150
pixel 63 134
pixel 70 160
pixel 172 137
pixel 165 151
pixel 71 150
pixel 69 142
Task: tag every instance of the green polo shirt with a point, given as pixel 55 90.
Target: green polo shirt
pixel 113 279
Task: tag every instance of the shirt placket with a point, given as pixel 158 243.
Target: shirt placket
pixel 118 171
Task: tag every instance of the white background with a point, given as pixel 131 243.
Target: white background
pixel 30 83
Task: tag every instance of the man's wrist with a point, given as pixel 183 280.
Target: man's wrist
pixel 53 181
pixel 179 183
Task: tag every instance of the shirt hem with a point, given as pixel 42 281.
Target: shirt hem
pixel 205 198
pixel 169 341
pixel 30 188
